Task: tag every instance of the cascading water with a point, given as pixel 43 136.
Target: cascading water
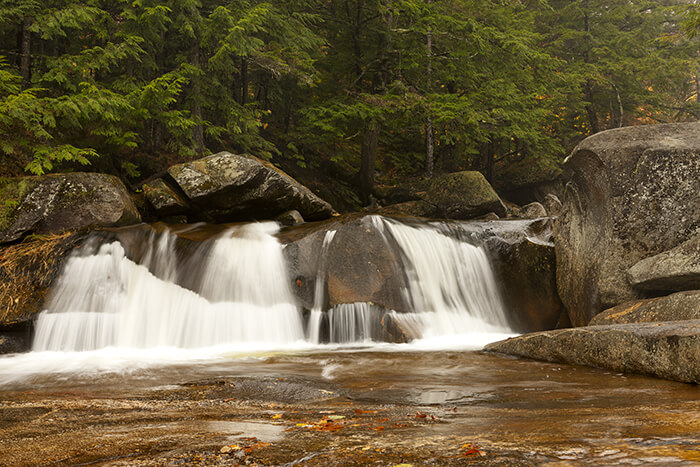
pixel 450 283
pixel 242 295
pixel 107 300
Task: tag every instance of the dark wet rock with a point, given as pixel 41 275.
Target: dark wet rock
pixel 533 211
pixel 292 217
pixel 464 195
pixel 669 349
pixel 410 208
pixel 358 265
pixel 27 272
pixel 552 204
pixel 676 269
pixel 632 193
pixel 675 307
pixel 14 342
pixel 228 187
pixel 361 267
pixel 525 269
pixel 55 203
pixel 164 199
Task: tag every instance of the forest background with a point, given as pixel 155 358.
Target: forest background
pixel 341 93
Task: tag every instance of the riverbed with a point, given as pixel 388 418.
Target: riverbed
pixel 359 405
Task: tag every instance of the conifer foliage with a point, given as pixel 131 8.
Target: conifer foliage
pixel 395 86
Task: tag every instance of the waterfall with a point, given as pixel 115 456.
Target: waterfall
pixel 235 290
pixel 450 283
pixel 105 299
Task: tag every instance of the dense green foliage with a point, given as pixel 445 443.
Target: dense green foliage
pixel 355 85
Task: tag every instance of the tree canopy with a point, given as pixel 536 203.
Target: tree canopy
pixel 389 87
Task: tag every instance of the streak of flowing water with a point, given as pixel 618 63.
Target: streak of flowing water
pixel 316 316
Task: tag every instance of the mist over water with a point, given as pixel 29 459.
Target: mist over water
pixel 109 313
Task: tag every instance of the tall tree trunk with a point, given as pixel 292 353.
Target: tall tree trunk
pixel 490 160
pixel 25 54
pixel 244 81
pixel 198 130
pixel 588 87
pixel 429 143
pixel 370 140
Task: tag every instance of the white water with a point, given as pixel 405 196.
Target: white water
pixel 107 300
pixel 108 313
pixel 451 283
pixel 316 315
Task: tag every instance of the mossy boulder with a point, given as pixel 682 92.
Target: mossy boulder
pixel 227 187
pixel 55 203
pixel 164 199
pixel 464 195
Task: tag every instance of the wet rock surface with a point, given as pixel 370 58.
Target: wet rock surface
pixel 366 408
pixel 676 269
pixel 52 204
pixel 632 193
pixel 675 307
pixel 227 187
pixel 669 349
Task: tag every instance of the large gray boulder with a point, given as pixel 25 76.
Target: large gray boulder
pixel 632 193
pixel 669 350
pixel 463 195
pixel 55 203
pixel 356 265
pixel 675 307
pixel 676 269
pixel 227 187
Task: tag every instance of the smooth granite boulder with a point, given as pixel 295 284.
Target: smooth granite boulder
pixel 676 269
pixel 669 349
pixel 632 193
pixel 51 204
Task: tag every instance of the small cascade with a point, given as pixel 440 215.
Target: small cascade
pixel 450 283
pixel 235 290
pixel 316 316
pixel 354 322
pixel 105 299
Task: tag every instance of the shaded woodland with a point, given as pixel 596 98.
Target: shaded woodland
pixel 363 91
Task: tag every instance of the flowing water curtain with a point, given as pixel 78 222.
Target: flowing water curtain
pixel 106 299
pixel 450 282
